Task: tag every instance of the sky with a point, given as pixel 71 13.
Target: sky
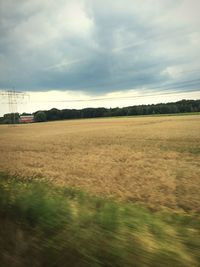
pixel 95 53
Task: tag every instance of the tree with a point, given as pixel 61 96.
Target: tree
pixel 53 114
pixel 40 116
pixel 11 118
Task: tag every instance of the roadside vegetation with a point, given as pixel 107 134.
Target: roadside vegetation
pixel 45 225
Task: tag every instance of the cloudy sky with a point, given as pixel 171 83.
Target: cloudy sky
pixel 78 53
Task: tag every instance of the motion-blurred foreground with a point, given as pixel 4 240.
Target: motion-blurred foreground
pixel 44 225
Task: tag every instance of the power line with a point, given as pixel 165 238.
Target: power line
pixel 115 98
pixel 162 91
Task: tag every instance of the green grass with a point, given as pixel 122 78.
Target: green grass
pixel 43 225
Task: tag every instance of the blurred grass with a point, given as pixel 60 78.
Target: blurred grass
pixel 44 225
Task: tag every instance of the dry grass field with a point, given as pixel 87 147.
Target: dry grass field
pixel 150 160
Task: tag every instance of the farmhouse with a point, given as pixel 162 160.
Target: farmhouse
pixel 26 119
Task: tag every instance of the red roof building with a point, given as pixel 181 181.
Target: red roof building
pixel 26 119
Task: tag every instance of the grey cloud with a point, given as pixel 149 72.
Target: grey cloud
pixel 114 45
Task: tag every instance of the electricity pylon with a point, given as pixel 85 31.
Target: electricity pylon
pixel 14 98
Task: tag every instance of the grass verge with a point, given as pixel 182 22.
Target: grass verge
pixel 43 225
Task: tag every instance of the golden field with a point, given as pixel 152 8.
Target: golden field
pixel 150 160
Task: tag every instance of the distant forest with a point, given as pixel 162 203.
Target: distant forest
pixel 183 106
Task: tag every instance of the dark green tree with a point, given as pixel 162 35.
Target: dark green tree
pixel 40 116
pixel 11 118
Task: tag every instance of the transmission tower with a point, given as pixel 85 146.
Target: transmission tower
pixel 14 98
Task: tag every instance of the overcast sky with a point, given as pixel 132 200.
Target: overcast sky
pixel 78 53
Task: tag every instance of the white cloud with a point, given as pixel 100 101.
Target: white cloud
pixel 173 71
pixel 61 66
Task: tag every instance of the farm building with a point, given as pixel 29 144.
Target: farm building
pixel 26 119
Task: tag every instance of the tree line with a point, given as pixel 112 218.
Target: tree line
pixel 183 106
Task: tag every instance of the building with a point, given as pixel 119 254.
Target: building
pixel 26 119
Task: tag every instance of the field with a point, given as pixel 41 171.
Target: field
pixel 150 160
pixel 120 192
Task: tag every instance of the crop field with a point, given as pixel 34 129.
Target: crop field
pixel 150 160
pixel 120 192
